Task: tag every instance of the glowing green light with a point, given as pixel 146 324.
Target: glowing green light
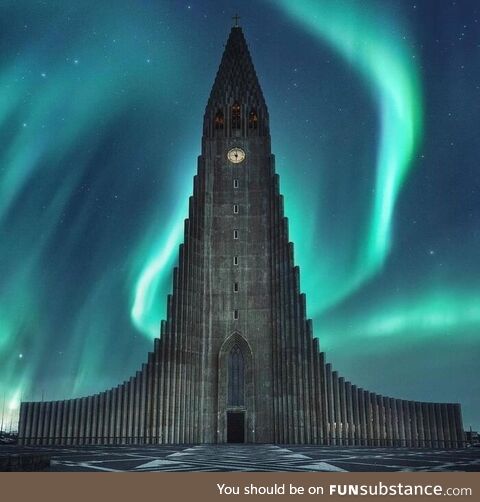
pixel 367 42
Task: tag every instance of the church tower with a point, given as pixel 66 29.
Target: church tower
pixel 236 360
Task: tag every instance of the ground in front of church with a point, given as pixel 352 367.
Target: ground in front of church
pixel 252 458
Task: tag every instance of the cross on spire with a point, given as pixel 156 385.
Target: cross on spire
pixel 235 18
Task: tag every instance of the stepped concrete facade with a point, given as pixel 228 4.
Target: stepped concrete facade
pixel 236 360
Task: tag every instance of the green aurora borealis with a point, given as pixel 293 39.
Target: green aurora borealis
pixel 373 107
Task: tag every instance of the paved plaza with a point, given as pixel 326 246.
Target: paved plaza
pixel 245 457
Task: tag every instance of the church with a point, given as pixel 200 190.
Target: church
pixel 237 360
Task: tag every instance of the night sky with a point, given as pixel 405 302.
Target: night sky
pixel 375 122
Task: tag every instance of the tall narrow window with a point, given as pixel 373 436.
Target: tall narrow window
pixel 236 123
pixel 236 377
pixel 235 208
pixel 235 183
pixel 235 260
pixel 235 234
pixel 235 287
pixel 252 119
pixel 235 315
pixel 219 120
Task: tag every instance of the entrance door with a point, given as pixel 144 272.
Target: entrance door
pixel 235 427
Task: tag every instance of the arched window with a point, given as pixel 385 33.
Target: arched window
pixel 252 119
pixel 236 123
pixel 236 372
pixel 219 120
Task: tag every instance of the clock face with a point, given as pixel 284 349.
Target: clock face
pixel 236 155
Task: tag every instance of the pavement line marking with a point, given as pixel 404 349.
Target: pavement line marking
pixel 323 466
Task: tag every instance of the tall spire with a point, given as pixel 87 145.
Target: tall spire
pixel 236 82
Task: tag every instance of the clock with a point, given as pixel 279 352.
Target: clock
pixel 236 155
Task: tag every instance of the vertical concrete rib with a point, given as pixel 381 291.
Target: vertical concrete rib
pixel 355 417
pixel 342 410
pixel 101 418
pixel 58 423
pixel 387 413
pixel 446 426
pixel 420 425
pixel 459 425
pixel 27 425
pixel 394 420
pixel 330 412
pixel 131 410
pixel 119 416
pixel 76 423
pixel 349 420
pixel 143 391
pixel 363 417
pixel 413 423
pixel 22 423
pixel 82 401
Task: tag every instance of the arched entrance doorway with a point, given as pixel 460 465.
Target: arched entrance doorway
pixel 236 417
pixel 236 396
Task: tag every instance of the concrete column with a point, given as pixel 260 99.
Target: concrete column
pixel 375 420
pixel 370 419
pixel 356 417
pixel 313 396
pixel 317 434
pixel 46 422
pixel 439 425
pixel 387 415
pixel 349 415
pixel 88 420
pixel 446 426
pixel 382 421
pixel 413 422
pixel 64 423
pixel 58 423
pixel 459 425
pixel 395 427
pixel 420 424
pixel 143 390
pixel 428 420
pixel 68 418
pixel 408 423
pixel 110 415
pixel 452 426
pixel 363 417
pixel 125 402
pixel 162 387
pixel 136 410
pixel 119 414
pixel 28 423
pixel 343 411
pixel 336 408
pixel 131 411
pixel 81 420
pixel 22 423
pixel 323 397
pixel 330 414
pixel 101 418
pixel 401 422
pixel 95 404
pixel 426 425
pixel 155 392
pixel 105 409
pixel 37 421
